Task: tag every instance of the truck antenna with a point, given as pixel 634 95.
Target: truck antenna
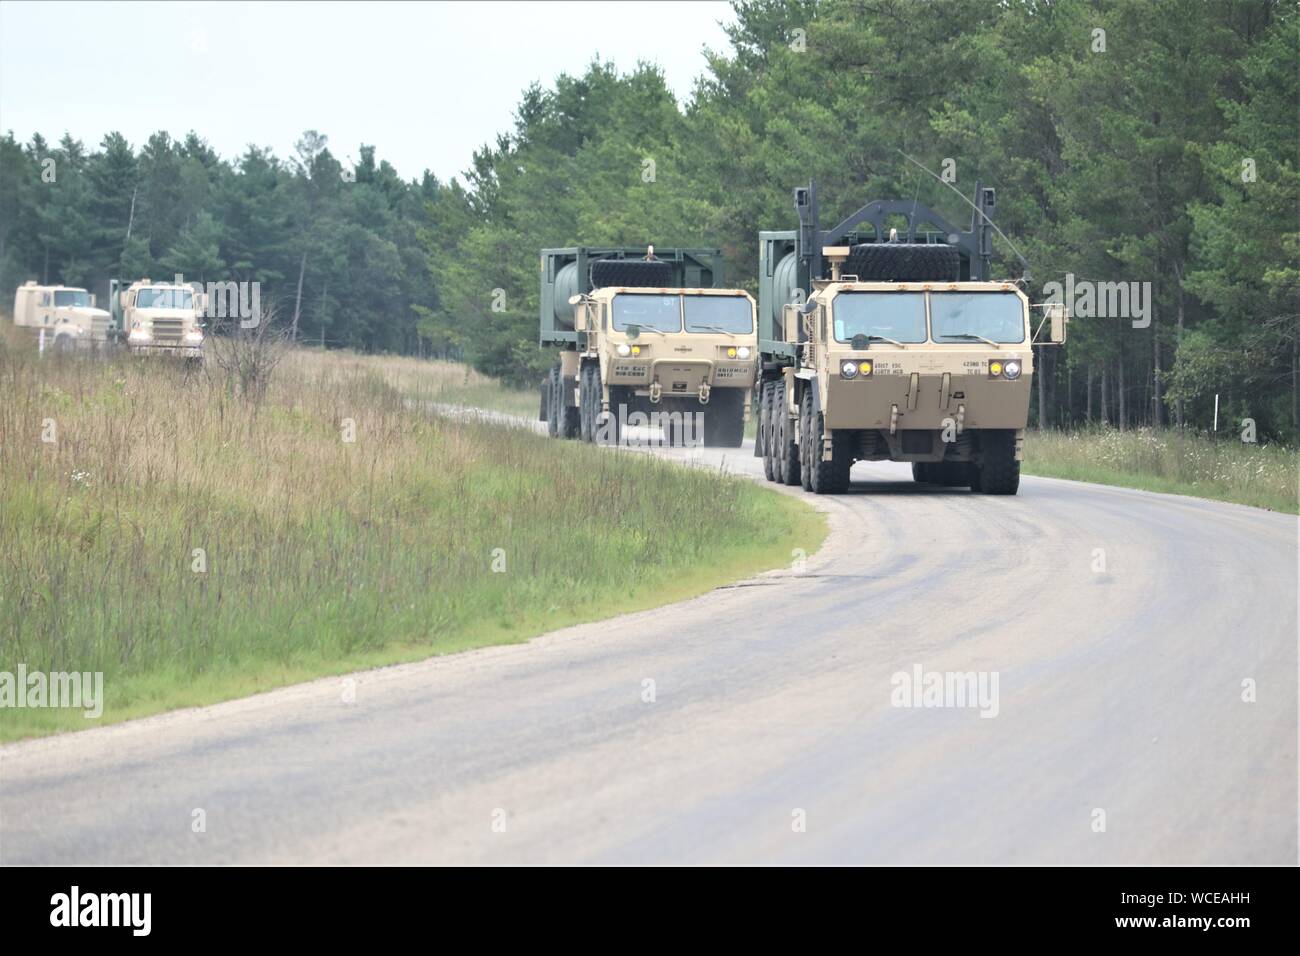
pixel 1023 261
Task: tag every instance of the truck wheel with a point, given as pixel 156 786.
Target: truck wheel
pixel 544 408
pixel 902 262
pixel 805 441
pixel 765 417
pixel 567 422
pixel 608 433
pixel 998 472
pixel 724 419
pixel 824 477
pixel 551 386
pixel 585 412
pixel 923 472
pixel 631 273
pixel 786 450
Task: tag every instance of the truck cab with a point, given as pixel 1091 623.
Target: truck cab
pixel 67 314
pixel 159 317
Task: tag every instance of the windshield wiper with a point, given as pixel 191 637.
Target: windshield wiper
pixel 883 338
pixel 971 335
pixel 712 328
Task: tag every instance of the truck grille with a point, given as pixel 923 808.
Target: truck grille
pixel 99 327
pixel 168 330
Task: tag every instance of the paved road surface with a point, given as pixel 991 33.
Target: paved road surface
pixel 772 737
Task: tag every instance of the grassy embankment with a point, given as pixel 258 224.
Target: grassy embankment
pixel 1173 462
pixel 322 555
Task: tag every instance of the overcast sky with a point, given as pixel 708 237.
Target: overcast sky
pixel 425 83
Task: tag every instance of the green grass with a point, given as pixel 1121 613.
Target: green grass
pixel 322 556
pixel 1171 461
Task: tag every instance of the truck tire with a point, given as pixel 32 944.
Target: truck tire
pixel 998 472
pixel 724 418
pixel 765 423
pixel 805 441
pixel 923 472
pixel 550 387
pixel 567 421
pixel 787 449
pixel 610 432
pixel 632 273
pixel 544 409
pixel 824 477
pixel 586 413
pixel 903 262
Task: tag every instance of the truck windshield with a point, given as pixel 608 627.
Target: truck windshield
pixel 72 298
pixel 662 312
pixel 714 313
pixel 970 316
pixel 164 299
pixel 890 315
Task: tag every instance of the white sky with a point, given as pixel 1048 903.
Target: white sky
pixel 425 83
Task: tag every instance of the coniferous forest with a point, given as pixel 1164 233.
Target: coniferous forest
pixel 1139 142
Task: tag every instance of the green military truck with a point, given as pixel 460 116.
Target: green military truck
pixel 885 342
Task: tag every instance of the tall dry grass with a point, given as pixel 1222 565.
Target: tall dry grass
pixel 1173 461
pixel 188 541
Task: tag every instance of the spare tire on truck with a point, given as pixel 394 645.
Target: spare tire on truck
pixel 631 273
pixel 903 262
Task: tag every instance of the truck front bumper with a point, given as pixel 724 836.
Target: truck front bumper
pixel 176 351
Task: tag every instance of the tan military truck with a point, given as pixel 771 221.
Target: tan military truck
pixel 158 317
pixel 66 314
pixel 647 339
pixel 900 350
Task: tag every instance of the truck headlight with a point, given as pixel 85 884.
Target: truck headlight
pixel 849 370
pixel 1011 369
pixel 624 349
pixel 139 334
pixel 743 352
pixel 194 336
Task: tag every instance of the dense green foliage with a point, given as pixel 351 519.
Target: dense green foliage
pixel 1170 156
pixel 176 207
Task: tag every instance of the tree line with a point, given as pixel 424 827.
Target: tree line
pixel 1153 143
pixel 336 248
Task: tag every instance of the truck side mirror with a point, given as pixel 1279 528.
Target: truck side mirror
pixel 1058 318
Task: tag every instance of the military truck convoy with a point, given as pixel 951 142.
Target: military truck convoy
pixel 147 317
pixel 885 345
pixel 646 339
pixel 881 338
